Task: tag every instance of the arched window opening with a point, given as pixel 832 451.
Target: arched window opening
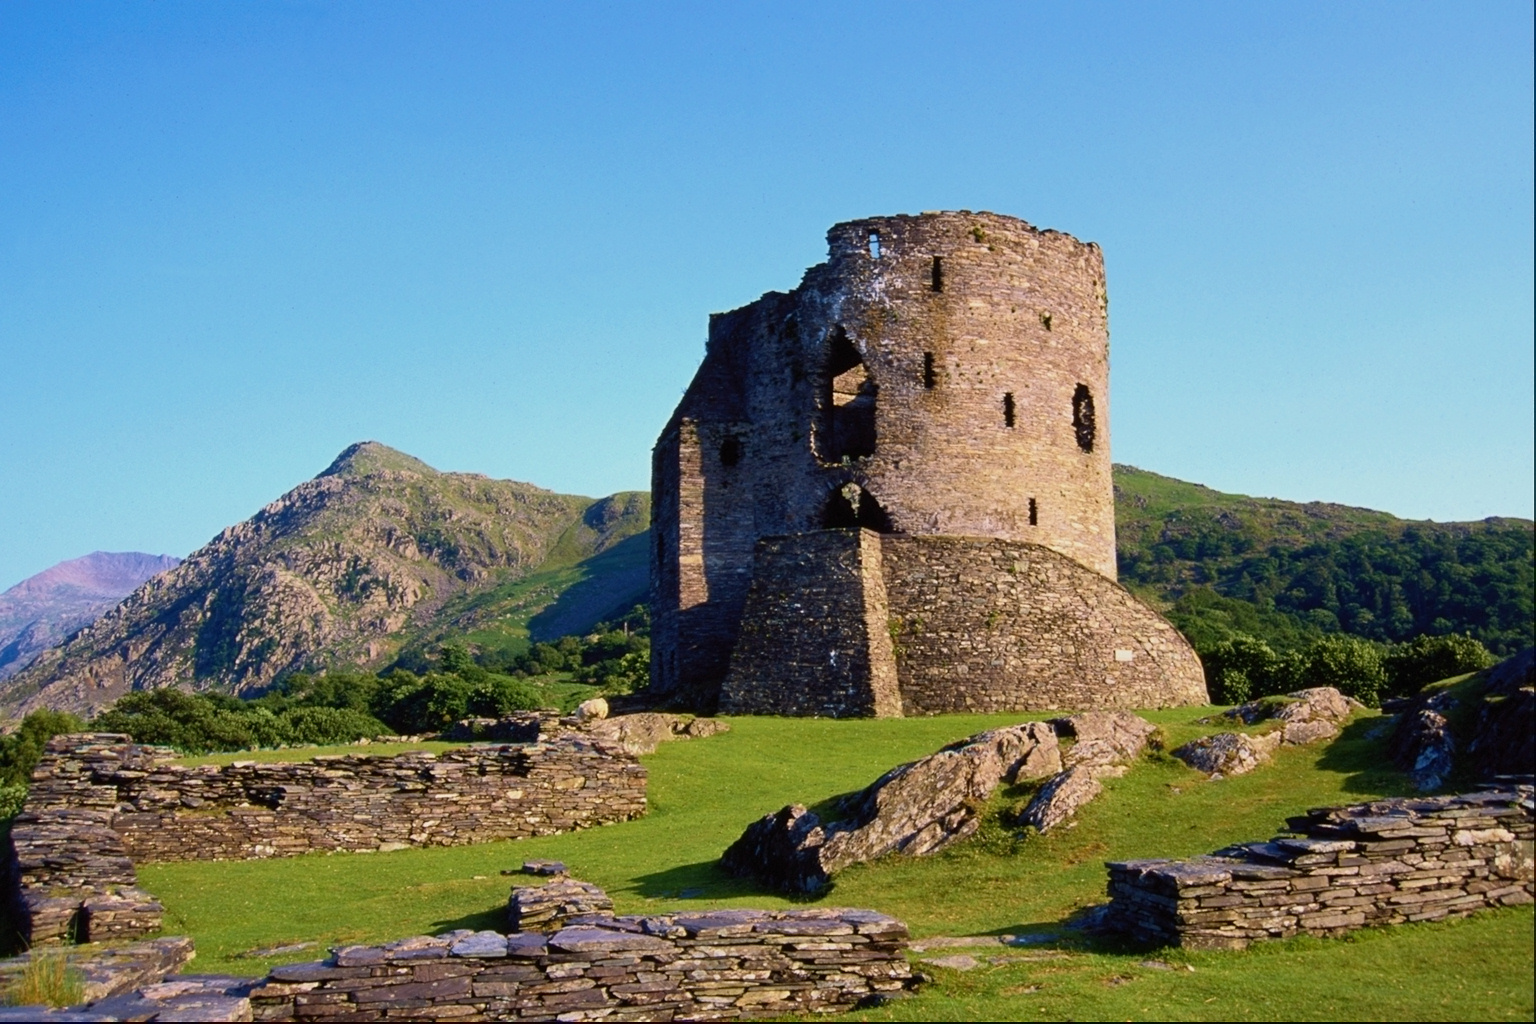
pixel 1008 409
pixel 852 506
pixel 938 274
pixel 874 245
pixel 848 406
pixel 930 374
pixel 730 451
pixel 1084 422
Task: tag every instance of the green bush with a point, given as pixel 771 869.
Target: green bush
pixel 1349 664
pixel 20 750
pixel 1428 659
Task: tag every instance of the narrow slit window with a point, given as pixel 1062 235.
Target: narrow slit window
pixel 874 245
pixel 1084 420
pixel 730 450
pixel 1045 320
pixel 930 375
pixel 1008 409
pixel 1034 513
pixel 938 274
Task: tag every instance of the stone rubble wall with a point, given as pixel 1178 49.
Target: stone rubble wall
pixel 99 802
pixel 706 966
pixel 1380 863
pixel 838 619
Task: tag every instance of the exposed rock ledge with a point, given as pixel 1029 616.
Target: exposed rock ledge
pixel 924 806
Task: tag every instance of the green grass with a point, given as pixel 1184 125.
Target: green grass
pixel 286 754
pixel 704 792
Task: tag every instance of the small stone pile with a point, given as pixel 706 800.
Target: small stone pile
pixel 547 906
pixel 1304 716
pixel 1342 868
pixel 924 806
pixel 641 732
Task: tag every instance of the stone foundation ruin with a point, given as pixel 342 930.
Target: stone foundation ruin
pixel 99 802
pixel 1386 862
pixel 888 492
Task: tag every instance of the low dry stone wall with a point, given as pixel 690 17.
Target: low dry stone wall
pixel 98 803
pixel 706 966
pixel 1343 868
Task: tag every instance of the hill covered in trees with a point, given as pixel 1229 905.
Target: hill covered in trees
pixel 1285 572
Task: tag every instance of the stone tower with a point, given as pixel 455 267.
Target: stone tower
pixel 889 490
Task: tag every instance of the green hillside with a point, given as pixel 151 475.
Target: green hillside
pixel 1287 572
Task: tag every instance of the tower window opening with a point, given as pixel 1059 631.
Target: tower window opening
pixel 1045 320
pixel 874 245
pixel 930 375
pixel 1084 421
pixel 730 450
pixel 1034 513
pixel 938 274
pixel 847 413
pixel 1008 409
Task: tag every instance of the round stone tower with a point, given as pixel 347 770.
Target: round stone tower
pixel 963 365
pixel 888 491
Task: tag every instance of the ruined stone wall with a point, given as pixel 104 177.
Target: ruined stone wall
pixel 948 372
pixel 825 650
pixel 166 811
pixel 1343 868
pixel 705 966
pixel 997 625
pixel 962 624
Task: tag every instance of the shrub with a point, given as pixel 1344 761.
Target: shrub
pixel 1351 665
pixel 1428 659
pixel 20 750
pixel 1234 668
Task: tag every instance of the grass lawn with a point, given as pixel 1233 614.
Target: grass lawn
pixel 704 792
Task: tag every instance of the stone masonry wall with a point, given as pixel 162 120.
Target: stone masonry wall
pixel 963 624
pixel 974 350
pixel 825 650
pixel 706 966
pixel 1379 863
pixel 997 625
pixel 167 811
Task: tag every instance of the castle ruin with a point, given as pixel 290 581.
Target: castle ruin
pixel 888 492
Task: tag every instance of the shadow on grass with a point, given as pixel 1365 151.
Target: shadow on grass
pixel 707 880
pixel 1361 754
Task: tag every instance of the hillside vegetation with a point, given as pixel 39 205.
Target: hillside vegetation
pixel 378 554
pixel 1222 564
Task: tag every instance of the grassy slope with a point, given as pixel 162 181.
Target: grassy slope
pixel 992 884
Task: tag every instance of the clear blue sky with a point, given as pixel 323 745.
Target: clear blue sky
pixel 236 237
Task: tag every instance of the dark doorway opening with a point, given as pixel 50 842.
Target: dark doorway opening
pixel 852 506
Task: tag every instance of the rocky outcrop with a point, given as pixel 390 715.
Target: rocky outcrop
pixel 341 570
pixel 1504 736
pixel 1386 862
pixel 1105 743
pixel 1494 736
pixel 1305 715
pixel 1228 753
pixel 918 808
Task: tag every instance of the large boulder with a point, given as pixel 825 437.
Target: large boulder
pixel 1228 753
pixel 918 808
pixel 644 731
pixel 1104 738
pixel 1059 799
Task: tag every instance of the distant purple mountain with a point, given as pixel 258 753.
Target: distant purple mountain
pixel 41 611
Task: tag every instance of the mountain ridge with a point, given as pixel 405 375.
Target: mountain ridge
pixel 340 570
